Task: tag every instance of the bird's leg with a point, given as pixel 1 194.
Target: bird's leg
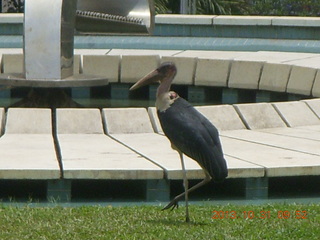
pixel 174 203
pixel 185 184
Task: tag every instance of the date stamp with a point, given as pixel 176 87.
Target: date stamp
pixel 297 214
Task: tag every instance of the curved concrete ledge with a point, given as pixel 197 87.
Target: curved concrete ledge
pixel 237 20
pixel 267 27
pixel 11 18
pixel 295 73
pixel 208 20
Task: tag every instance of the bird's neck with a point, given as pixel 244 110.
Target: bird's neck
pixel 165 100
pixel 162 102
pixel 165 85
pixel 164 96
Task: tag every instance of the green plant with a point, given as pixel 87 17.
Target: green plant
pixel 285 7
pixel 203 6
pixel 246 7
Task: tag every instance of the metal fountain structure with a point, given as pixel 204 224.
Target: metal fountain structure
pixel 48 40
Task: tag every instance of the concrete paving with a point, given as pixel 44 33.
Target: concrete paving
pixel 297 132
pixel 296 113
pixel 84 52
pixel 304 145
pixel 295 83
pixel 314 104
pixel 315 128
pixel 296 21
pixel 272 146
pixel 263 117
pixel 311 62
pixel 10 51
pixel 27 147
pixel 102 65
pixel 186 68
pixel 281 57
pixel 275 77
pixel 259 115
pixel 87 153
pixel 292 21
pixel 12 63
pixel 134 67
pixel 127 120
pixel 223 117
pixel 243 20
pixel 28 156
pixel 142 52
pixel 272 151
pixel 219 55
pixel 96 156
pixel 184 19
pixel 28 121
pixel 264 70
pixel 277 162
pixel 133 150
pixel 158 149
pixel 245 74
pixel 316 85
pixel 78 121
pixel 212 72
pixel 132 128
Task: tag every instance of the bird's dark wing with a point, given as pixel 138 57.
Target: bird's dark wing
pixel 194 135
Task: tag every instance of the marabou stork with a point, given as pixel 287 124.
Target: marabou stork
pixel 189 132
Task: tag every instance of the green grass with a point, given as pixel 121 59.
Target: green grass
pixel 149 222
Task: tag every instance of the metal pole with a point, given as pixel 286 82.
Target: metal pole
pixel 193 6
pixel 183 6
pixel 188 7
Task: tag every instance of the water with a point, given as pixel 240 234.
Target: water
pixel 106 97
pixel 105 103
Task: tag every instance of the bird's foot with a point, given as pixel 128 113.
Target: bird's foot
pixel 173 204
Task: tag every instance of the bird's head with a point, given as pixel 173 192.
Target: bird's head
pixel 164 74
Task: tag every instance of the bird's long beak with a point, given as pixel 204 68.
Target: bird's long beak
pixel 152 77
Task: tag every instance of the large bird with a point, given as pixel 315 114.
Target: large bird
pixel 189 132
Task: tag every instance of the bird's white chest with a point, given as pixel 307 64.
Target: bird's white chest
pixel 164 101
